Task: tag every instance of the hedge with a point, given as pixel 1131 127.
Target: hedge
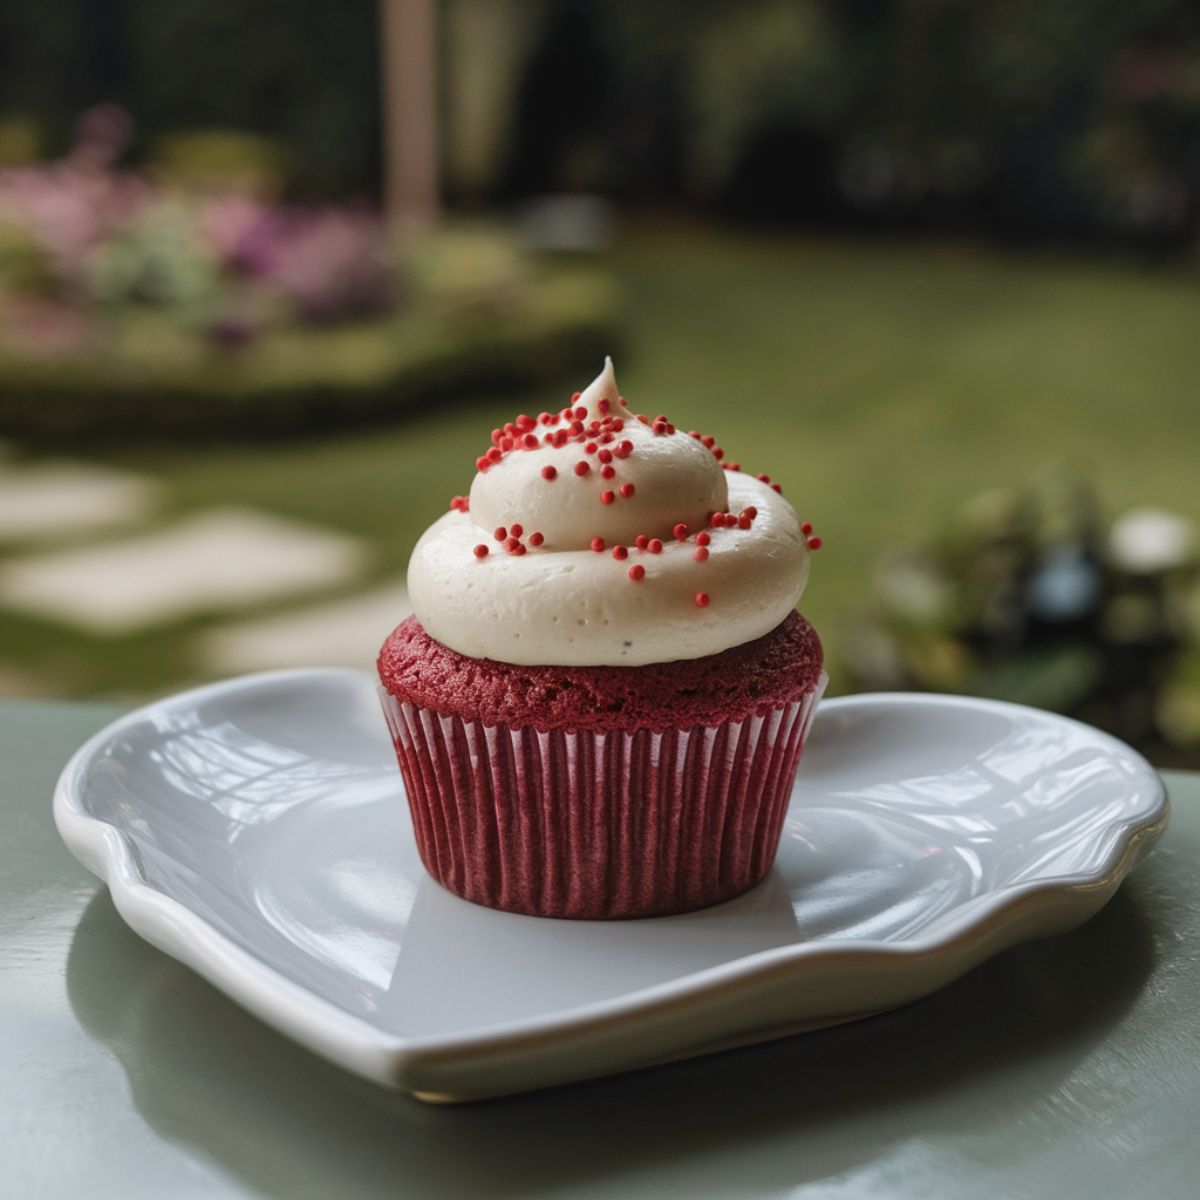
pixel 306 380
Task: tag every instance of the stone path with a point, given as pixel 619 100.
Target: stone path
pixel 53 499
pixel 214 560
pixel 342 633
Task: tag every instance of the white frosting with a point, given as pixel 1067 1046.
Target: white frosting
pixel 563 603
pixel 675 479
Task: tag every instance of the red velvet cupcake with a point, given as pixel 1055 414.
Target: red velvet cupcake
pixel 599 707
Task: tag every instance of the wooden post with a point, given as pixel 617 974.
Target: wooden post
pixel 409 78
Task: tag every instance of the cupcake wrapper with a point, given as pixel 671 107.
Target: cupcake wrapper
pixel 598 825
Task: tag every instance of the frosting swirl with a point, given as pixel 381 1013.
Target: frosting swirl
pixel 593 537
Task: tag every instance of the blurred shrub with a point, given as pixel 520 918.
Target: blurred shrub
pixel 761 65
pixel 220 160
pixel 146 378
pixel 1032 595
pixel 130 306
pixel 1032 118
pixel 20 141
pixel 1038 118
pixel 469 268
pixel 108 236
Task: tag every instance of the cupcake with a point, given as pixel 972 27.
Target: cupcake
pixel 600 702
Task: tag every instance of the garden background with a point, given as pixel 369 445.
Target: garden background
pixel 933 266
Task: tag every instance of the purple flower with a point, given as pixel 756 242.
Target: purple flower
pixel 245 235
pixel 334 266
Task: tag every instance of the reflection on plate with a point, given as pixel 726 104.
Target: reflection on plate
pixel 257 831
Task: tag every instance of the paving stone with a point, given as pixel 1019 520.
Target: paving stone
pixel 344 633
pixel 50 499
pixel 215 560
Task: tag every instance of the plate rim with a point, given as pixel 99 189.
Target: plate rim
pixel 394 1060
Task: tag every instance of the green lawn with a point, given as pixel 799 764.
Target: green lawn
pixel 881 383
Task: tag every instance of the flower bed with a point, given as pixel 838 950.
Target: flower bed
pixel 133 306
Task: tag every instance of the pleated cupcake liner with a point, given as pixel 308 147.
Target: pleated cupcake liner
pixel 598 825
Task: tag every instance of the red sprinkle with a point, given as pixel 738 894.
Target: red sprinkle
pixel 637 571
pixel 702 539
pixel 680 531
pixel 549 473
pixel 620 552
pixel 598 544
pixel 536 539
pixel 481 551
pixel 531 441
pixel 744 522
pixel 718 453
pixel 500 534
pixel 710 442
pixel 582 468
pixel 654 545
pixel 607 471
pixel 603 404
pixel 641 541
pixel 481 463
pixel 590 448
pixel 750 512
pixel 624 449
pixel 511 543
pixel 627 490
pixel 607 497
pixel 717 520
pixel 605 456
pixel 806 528
pixel 701 554
pixel 815 543
pixel 516 530
pixel 701 599
pixel 776 488
pixel 580 413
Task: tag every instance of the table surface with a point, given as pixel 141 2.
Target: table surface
pixel 1068 1067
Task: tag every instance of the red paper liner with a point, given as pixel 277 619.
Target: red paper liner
pixel 598 825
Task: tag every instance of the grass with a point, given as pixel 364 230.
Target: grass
pixel 882 384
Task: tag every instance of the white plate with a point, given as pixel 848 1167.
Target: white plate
pixel 257 831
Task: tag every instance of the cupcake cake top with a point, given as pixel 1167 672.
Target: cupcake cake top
pixel 595 536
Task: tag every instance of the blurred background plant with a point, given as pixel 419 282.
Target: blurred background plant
pixel 903 250
pixel 1032 595
pixel 196 252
